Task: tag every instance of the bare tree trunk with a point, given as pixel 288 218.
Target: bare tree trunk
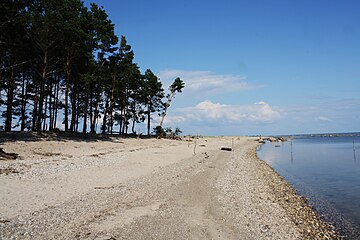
pixel 94 117
pixel 77 116
pixel 162 118
pixel 125 121
pixel 120 121
pixel 112 103
pixel 57 86
pixel 77 123
pixel 23 101
pixel 10 100
pixel 73 105
pixel 90 109
pixel 45 108
pixel 85 116
pixel 34 114
pixel 104 123
pixel 42 92
pixel 125 125
pixel 51 106
pixel 149 118
pixel 68 72
pixel 165 109
pixel 133 127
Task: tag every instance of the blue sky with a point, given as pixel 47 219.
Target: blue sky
pixel 250 67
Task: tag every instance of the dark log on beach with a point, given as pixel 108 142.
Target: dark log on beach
pixel 226 149
pixel 7 156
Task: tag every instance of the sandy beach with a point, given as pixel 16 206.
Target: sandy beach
pixel 128 188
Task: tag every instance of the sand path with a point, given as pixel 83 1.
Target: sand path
pixel 160 191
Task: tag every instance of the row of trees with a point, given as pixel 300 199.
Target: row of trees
pixel 60 59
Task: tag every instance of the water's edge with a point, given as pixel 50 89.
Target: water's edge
pixel 308 221
pixel 322 207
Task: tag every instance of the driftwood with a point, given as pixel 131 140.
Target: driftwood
pixel 226 149
pixel 105 187
pixel 8 156
pixel 7 171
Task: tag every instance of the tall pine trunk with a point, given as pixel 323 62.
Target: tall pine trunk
pixel 57 87
pixel 120 121
pixel 68 72
pixel 34 113
pixel 42 92
pixel 133 127
pixel 90 108
pixel 96 113
pixel 23 101
pixel 73 106
pixel 10 99
pixel 104 123
pixel 51 106
pixel 45 112
pixel 149 118
pixel 78 112
pixel 85 115
pixel 125 123
pixel 111 107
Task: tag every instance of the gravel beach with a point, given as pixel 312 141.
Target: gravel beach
pixel 128 188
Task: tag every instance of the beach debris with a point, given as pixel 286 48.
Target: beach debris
pixel 226 149
pixel 202 145
pixel 111 238
pixel 262 140
pixel 104 187
pixel 7 171
pixel 8 156
pixel 265 228
pixel 47 154
pixel 4 221
pixel 205 157
pixel 109 187
pixel 195 146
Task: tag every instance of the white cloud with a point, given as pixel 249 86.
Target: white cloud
pixel 208 111
pixel 206 82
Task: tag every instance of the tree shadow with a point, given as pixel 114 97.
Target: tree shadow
pixel 63 136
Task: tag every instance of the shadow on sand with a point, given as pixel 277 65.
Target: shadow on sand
pixel 63 136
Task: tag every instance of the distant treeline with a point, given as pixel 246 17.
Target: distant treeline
pixel 60 59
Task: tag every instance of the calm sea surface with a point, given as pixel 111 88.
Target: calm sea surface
pixel 327 171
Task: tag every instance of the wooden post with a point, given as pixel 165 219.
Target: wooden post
pixel 292 157
pixel 232 144
pixel 354 150
pixel 195 145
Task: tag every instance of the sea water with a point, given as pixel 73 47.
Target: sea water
pixel 326 170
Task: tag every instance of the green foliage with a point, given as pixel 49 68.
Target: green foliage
pixel 175 87
pixel 60 58
pixel 152 94
pixel 159 132
pixel 167 132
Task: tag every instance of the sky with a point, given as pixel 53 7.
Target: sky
pixel 250 67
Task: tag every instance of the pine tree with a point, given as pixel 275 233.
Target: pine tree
pixel 175 87
pixel 153 93
pixel 14 42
